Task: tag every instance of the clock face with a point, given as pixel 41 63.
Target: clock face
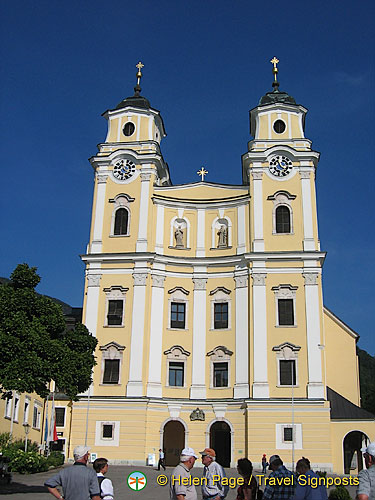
pixel 123 169
pixel 280 166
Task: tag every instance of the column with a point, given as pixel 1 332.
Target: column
pixel 308 234
pixel 135 385
pixel 198 383
pixel 258 241
pixel 241 386
pixel 260 384
pixel 159 243
pixel 315 387
pixel 143 212
pixel 241 232
pixel 96 244
pixel 201 248
pixel 154 386
pixel 92 300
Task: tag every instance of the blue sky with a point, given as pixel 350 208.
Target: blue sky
pixel 206 65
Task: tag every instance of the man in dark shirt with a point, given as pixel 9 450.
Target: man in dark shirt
pixel 280 483
pixel 78 482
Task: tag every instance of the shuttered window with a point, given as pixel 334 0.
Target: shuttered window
pixel 115 310
pixel 286 312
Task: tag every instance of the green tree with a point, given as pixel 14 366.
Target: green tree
pixel 367 379
pixel 35 345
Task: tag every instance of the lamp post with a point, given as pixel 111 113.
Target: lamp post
pixel 244 407
pixel 27 430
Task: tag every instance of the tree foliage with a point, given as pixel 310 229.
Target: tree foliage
pixel 367 380
pixel 35 345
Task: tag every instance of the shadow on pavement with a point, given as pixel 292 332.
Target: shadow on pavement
pixel 13 488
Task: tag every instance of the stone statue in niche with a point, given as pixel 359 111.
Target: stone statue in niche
pixel 223 236
pixel 179 235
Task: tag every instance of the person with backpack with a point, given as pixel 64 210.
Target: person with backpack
pixel 106 488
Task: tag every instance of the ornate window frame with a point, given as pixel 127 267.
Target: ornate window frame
pixel 285 291
pixel 281 444
pixel 282 198
pixel 220 295
pixel 112 351
pixel 115 292
pixel 176 354
pixel 26 409
pixel 122 200
pixel 178 294
pixel 287 352
pixel 114 441
pixel 220 354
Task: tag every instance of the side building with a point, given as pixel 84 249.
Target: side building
pixel 207 303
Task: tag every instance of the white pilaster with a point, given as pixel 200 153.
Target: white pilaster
pixel 258 242
pixel 143 212
pixel 315 387
pixel 135 385
pixel 308 234
pixel 201 234
pixel 241 386
pixel 96 244
pixel 260 385
pixel 241 232
pixel 198 385
pixel 159 243
pixel 154 387
pixel 92 300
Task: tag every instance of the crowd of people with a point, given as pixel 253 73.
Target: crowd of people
pixel 80 482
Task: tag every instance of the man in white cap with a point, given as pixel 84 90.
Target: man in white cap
pixel 366 487
pixel 211 488
pixel 180 484
pixel 78 482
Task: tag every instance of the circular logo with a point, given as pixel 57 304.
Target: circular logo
pixel 136 481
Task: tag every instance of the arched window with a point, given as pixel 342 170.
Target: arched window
pixel 121 222
pixel 282 219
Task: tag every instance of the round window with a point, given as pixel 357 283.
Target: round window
pixel 279 126
pixel 129 128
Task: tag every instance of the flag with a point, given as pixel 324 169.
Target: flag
pixel 46 423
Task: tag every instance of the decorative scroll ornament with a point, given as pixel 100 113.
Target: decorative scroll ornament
pixel 102 179
pixel 200 283
pixel 197 415
pixel 93 279
pixel 304 174
pixel 259 279
pixel 145 176
pixel 310 278
pixel 257 176
pixel 241 281
pixel 139 278
pixel 157 280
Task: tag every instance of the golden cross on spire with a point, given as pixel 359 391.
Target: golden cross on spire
pixel 274 61
pixel 139 74
pixel 202 172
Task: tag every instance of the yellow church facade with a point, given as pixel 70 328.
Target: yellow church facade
pixel 207 303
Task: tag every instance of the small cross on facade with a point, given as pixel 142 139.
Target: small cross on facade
pixel 202 172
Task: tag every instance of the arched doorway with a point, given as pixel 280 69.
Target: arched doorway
pixel 220 441
pixel 173 441
pixel 353 459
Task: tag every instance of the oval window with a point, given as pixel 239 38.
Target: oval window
pixel 279 126
pixel 129 128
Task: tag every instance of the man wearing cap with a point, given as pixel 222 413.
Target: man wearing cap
pixel 180 487
pixel 78 482
pixel 366 487
pixel 283 489
pixel 212 489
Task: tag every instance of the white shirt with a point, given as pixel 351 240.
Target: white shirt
pixel 106 487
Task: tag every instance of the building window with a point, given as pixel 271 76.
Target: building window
pixel 26 409
pixel 36 416
pixel 286 313
pixel 282 219
pixel 287 373
pixel 221 315
pixel 121 222
pixel 220 375
pixel 178 310
pixel 288 434
pixel 60 417
pixel 16 408
pixel 129 129
pixel 111 371
pixel 107 431
pixel 176 374
pixel 115 312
